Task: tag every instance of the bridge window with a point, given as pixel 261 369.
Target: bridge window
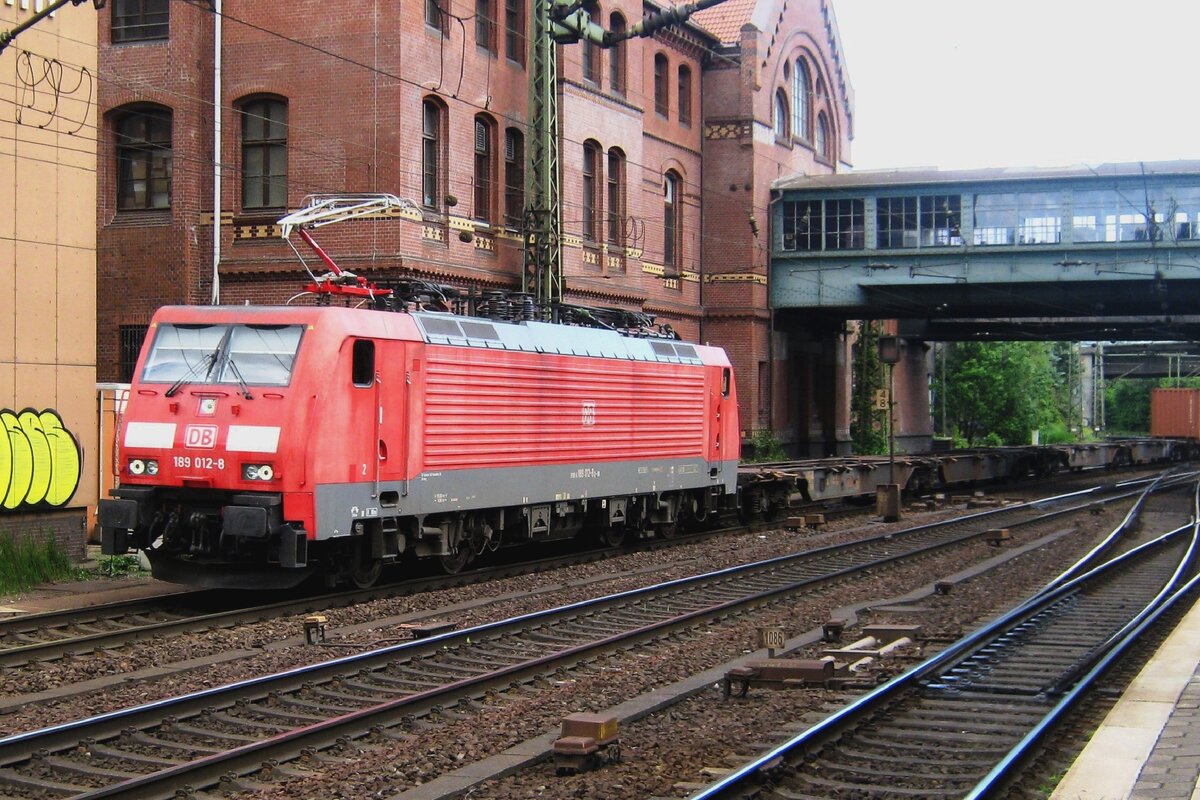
pixel 823 225
pixel 995 219
pixel 1110 216
pixel 941 215
pixel 896 222
pixel 803 222
pixel 1039 216
pixel 843 224
pixel 1023 218
pixel 924 221
pixel 1183 206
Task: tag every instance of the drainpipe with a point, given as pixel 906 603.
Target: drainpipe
pixel 216 257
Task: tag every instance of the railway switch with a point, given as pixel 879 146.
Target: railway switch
pixel 427 629
pixel 588 741
pixel 783 673
pixel 886 634
pixel 832 629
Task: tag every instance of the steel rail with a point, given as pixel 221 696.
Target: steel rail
pixel 248 757
pixel 1098 663
pixel 748 777
pixel 189 620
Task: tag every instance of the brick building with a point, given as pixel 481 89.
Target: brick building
pixel 668 148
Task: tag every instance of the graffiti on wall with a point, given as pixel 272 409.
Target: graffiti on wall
pixel 40 460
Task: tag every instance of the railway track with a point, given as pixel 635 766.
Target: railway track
pixel 41 637
pixel 55 634
pixel 200 738
pixel 960 724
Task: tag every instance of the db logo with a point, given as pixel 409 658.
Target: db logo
pixel 200 436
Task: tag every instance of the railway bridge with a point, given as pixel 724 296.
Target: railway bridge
pixel 1085 253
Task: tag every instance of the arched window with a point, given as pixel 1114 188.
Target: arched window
pixel 779 120
pixel 672 219
pixel 822 138
pixel 616 196
pixel 616 55
pixel 591 52
pixel 514 177
pixel 685 94
pixel 264 153
pixel 485 166
pixel 591 179
pixel 801 96
pixel 433 142
pixel 144 158
pixel 662 103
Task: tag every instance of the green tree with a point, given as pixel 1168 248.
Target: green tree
pixel 1127 405
pixel 998 392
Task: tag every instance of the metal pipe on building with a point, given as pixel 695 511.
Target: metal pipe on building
pixel 216 257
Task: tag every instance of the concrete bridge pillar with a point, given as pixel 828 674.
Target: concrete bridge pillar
pixel 817 406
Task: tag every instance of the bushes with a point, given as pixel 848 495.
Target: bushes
pixel 762 446
pixel 25 562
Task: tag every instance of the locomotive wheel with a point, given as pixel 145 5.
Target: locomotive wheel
pixel 667 530
pixel 453 564
pixel 366 569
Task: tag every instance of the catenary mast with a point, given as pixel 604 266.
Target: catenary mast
pixel 561 22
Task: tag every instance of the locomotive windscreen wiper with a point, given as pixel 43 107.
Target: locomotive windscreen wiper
pixel 237 373
pixel 206 362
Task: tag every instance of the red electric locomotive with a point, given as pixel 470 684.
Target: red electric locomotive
pixel 264 444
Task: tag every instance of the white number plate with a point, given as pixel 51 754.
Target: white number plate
pixel 199 462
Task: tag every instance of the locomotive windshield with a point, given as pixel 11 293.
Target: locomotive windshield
pixel 258 355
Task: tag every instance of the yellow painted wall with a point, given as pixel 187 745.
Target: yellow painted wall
pixel 48 89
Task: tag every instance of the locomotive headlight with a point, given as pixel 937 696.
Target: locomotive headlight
pixel 258 472
pixel 137 466
pixel 151 467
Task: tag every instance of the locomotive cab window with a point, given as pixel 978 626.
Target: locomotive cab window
pixel 362 370
pixel 725 382
pixel 261 354
pixel 257 355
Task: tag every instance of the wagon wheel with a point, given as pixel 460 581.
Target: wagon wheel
pixel 366 570
pixel 612 535
pixel 770 509
pixel 667 530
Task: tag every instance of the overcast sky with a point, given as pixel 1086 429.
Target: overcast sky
pixel 1011 83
